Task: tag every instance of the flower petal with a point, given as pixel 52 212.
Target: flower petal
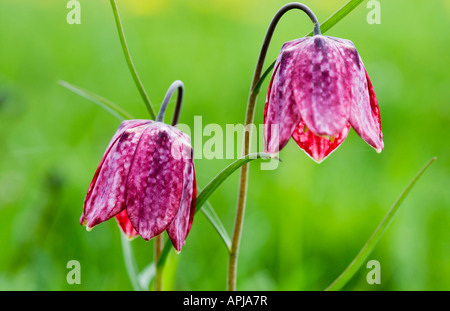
pixel 281 112
pixel 155 181
pixel 126 125
pixel 193 205
pixel 321 87
pixel 365 115
pixel 106 194
pixel 318 148
pixel 180 226
pixel 125 225
pixel 364 112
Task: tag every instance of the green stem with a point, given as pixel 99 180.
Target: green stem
pixel 130 264
pixel 240 209
pixel 159 244
pixel 133 71
pixel 370 244
pixel 165 252
pixel 258 79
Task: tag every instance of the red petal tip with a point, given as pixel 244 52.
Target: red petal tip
pixel 82 220
pixel 130 237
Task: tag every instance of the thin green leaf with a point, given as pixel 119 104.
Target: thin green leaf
pixel 130 263
pixel 211 215
pixel 146 276
pixel 224 174
pixel 211 187
pixel 258 85
pixel 338 15
pixel 130 63
pixel 350 271
pixel 324 27
pixel 104 103
pixel 164 253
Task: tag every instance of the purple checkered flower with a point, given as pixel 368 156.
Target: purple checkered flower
pixel 319 89
pixel 146 180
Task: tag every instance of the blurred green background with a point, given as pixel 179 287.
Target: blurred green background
pixel 304 222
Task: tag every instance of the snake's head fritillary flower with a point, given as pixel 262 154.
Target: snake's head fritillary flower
pixel 146 180
pixel 319 89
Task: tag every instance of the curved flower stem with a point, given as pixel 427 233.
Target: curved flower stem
pixel 133 71
pixel 232 262
pixel 324 27
pixel 176 85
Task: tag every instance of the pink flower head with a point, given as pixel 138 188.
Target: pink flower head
pixel 146 180
pixel 320 88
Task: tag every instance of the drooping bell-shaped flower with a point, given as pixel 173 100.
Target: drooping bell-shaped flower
pixel 319 89
pixel 146 179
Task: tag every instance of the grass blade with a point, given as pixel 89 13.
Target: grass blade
pixel 211 215
pixel 370 244
pixel 146 276
pixel 258 85
pixel 104 103
pixel 224 174
pixel 338 16
pixel 130 263
pixel 210 188
pixel 130 64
